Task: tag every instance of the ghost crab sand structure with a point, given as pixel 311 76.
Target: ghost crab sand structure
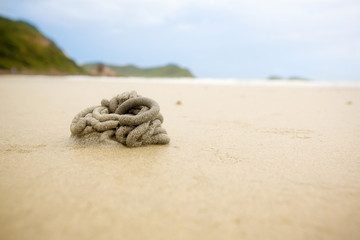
pixel 127 118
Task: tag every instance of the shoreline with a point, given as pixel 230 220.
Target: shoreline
pixel 258 82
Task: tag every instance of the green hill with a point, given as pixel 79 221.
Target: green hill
pixel 170 70
pixel 25 50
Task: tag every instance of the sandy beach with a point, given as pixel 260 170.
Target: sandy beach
pixel 244 162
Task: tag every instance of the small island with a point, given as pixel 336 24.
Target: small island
pixel 292 78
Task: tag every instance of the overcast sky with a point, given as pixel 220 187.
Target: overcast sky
pixel 317 39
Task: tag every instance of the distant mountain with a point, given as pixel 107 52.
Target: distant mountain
pixel 24 49
pixel 170 70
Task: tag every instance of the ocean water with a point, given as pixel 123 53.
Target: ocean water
pixel 220 81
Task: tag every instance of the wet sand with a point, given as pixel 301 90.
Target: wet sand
pixel 244 162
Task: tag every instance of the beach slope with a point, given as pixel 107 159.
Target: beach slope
pixel 244 162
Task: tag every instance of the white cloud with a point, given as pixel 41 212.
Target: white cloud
pixel 335 23
pixel 277 14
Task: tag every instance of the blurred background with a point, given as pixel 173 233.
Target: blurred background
pixel 298 39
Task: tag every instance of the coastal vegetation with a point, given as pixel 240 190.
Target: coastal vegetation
pixel 23 49
pixel 170 70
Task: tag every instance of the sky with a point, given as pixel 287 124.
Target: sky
pixel 315 39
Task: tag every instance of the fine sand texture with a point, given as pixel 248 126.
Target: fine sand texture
pixel 244 162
